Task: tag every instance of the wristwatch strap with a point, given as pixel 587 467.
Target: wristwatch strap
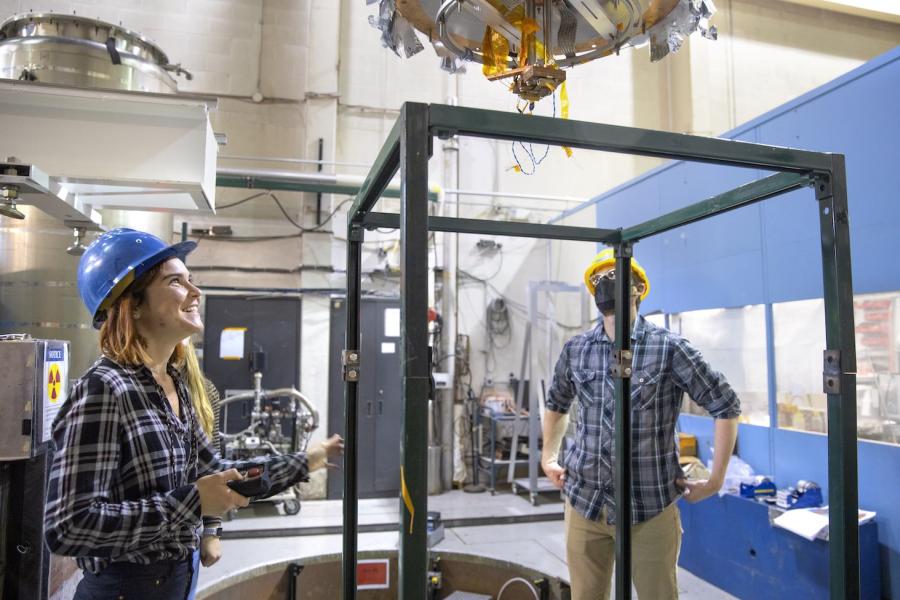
pixel 212 531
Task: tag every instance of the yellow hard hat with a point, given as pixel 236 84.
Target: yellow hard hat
pixel 606 258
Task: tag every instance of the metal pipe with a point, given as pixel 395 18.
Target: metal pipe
pixel 297 399
pixel 531 14
pixel 568 199
pixel 449 301
pixel 547 12
pixel 297 161
pixel 257 394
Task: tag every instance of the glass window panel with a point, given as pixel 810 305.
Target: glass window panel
pixel 877 320
pixel 799 342
pixel 733 341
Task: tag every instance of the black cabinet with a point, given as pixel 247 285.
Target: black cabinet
pixel 379 396
pixel 269 325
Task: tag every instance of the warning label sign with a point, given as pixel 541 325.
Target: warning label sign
pixel 373 574
pixel 54 383
pixel 56 364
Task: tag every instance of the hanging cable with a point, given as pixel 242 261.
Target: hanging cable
pixel 522 581
pixel 263 238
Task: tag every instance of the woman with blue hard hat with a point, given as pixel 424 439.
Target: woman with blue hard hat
pixel 133 473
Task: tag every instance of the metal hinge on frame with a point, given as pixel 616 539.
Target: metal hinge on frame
pixel 822 185
pixel 621 364
pixel 350 363
pixel 831 372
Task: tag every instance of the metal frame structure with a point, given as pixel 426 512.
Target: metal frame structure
pixel 408 148
pixel 535 484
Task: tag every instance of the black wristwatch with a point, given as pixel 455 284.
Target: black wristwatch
pixel 212 532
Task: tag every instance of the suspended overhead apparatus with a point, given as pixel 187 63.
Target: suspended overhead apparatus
pixel 531 42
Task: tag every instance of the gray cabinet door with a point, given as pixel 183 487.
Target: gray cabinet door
pixel 386 392
pixel 378 413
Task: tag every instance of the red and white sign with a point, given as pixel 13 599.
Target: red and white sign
pixel 373 574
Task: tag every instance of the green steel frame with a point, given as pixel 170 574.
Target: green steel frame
pixel 408 148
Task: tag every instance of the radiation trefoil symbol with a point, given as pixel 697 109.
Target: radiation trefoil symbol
pixel 54 382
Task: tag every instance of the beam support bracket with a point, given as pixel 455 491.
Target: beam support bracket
pixel 831 372
pixel 350 361
pixel 621 364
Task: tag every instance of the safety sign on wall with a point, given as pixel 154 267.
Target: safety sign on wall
pixel 56 372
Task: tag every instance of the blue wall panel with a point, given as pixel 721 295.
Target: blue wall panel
pixel 771 253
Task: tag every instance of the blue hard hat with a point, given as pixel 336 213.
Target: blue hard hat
pixel 117 258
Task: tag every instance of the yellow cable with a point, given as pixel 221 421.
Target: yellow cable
pixel 564 111
pixel 407 500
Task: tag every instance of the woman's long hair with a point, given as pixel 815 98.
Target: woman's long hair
pixel 196 382
pixel 119 338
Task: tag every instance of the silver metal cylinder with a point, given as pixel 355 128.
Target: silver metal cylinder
pixel 38 287
pixel 38 279
pixel 81 52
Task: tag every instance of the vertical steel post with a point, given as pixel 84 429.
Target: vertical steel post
pixel 351 397
pixel 622 380
pixel 839 382
pixel 415 143
pixel 771 386
pixel 546 30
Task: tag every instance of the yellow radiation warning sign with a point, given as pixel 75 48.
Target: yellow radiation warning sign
pixel 54 383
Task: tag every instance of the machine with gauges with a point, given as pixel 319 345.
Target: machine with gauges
pixel 531 43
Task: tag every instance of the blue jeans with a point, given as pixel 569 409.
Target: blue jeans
pixel 164 580
pixel 195 574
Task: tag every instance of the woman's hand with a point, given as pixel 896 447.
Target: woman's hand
pixel 216 498
pixel 320 454
pixel 210 550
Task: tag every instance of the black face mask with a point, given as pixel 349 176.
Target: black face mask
pixel 605 296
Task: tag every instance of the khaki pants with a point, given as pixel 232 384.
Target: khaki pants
pixel 591 553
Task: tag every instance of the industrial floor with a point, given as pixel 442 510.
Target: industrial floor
pixel 270 537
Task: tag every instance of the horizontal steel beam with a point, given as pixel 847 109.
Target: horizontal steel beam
pixel 482 227
pixel 458 120
pixel 730 200
pixel 383 170
pixel 299 182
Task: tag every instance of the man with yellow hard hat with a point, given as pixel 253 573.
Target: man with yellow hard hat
pixel 664 366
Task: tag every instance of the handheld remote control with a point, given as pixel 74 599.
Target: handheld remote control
pixel 256 482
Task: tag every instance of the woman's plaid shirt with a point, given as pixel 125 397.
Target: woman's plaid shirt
pixel 664 366
pixel 122 483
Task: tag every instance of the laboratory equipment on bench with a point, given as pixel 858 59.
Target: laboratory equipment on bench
pixel 806 494
pixel 762 487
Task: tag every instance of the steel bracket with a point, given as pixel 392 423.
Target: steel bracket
pixel 822 183
pixel 350 364
pixel 445 134
pixel 831 372
pixel 621 364
pixel 356 233
pixel 623 250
